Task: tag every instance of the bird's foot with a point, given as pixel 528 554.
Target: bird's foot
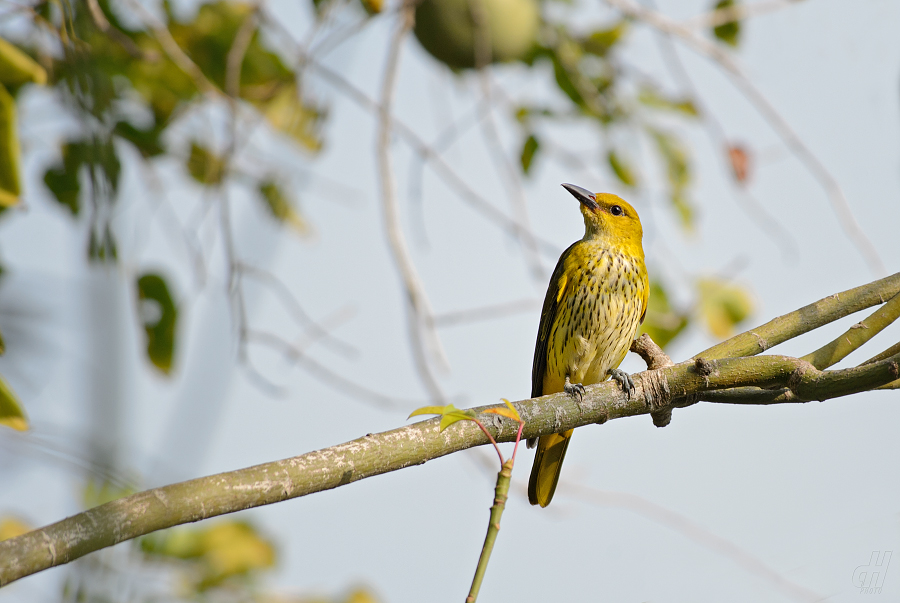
pixel 624 380
pixel 576 390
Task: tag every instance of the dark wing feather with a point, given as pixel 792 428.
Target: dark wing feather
pixel 548 315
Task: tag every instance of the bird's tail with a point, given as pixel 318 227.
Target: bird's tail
pixel 551 450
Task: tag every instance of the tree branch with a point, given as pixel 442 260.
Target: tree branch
pixel 374 454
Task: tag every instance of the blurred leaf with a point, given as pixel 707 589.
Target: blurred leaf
pixel 739 158
pixel 9 151
pixel 622 169
pixel 730 32
pixel 226 549
pixel 11 413
pixel 10 527
pixel 287 112
pixel 662 322
pixel 650 97
pixel 99 493
pixel 529 149
pixel 372 7
pixel 147 141
pixel 723 305
pixel 600 42
pixel 63 180
pixel 678 171
pixel 2 345
pixel 282 208
pixel 102 247
pixel 17 68
pixel 159 315
pixel 205 166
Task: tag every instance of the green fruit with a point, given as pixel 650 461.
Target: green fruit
pixel 447 29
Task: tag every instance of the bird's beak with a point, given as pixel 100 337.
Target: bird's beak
pixel 585 197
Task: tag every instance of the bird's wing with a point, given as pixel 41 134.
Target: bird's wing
pixel 645 296
pixel 557 284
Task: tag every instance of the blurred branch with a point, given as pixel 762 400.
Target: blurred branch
pixel 451 319
pixel 440 166
pixel 174 51
pixel 736 12
pixel 515 191
pixel 290 302
pixel 721 57
pixel 755 210
pixel 423 337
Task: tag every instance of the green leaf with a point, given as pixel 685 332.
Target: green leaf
pixel 17 68
pixel 11 413
pixel 600 42
pixel 287 112
pixel 205 166
pixel 730 32
pixel 651 98
pixel 147 141
pixel 509 412
pixel 160 316
pixel 225 549
pixel 622 169
pixel 449 414
pixel 662 322
pixel 723 305
pixel 9 151
pixel 281 207
pixel 529 149
pixel 678 170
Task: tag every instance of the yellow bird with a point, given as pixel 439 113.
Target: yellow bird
pixel 595 302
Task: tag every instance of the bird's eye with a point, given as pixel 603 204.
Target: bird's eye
pixel 616 210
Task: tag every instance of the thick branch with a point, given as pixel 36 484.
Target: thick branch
pixel 415 444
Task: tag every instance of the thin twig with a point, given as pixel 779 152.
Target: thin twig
pixel 174 51
pixel 237 52
pixel 419 314
pixel 292 305
pixel 721 57
pixel 515 191
pixel 736 12
pixel 452 319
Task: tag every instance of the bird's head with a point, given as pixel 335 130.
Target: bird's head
pixel 609 218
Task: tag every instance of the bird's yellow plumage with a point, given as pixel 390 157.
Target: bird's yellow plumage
pixel 595 302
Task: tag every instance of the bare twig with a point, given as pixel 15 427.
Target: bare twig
pixel 767 110
pixel 174 51
pixel 419 314
pixel 290 302
pixel 452 319
pixel 515 190
pixel 736 12
pixel 237 52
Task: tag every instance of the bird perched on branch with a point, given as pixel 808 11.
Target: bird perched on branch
pixel 595 302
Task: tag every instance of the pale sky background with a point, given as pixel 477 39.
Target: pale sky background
pixel 810 491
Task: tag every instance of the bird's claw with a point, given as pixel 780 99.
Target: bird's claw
pixel 576 390
pixel 624 380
